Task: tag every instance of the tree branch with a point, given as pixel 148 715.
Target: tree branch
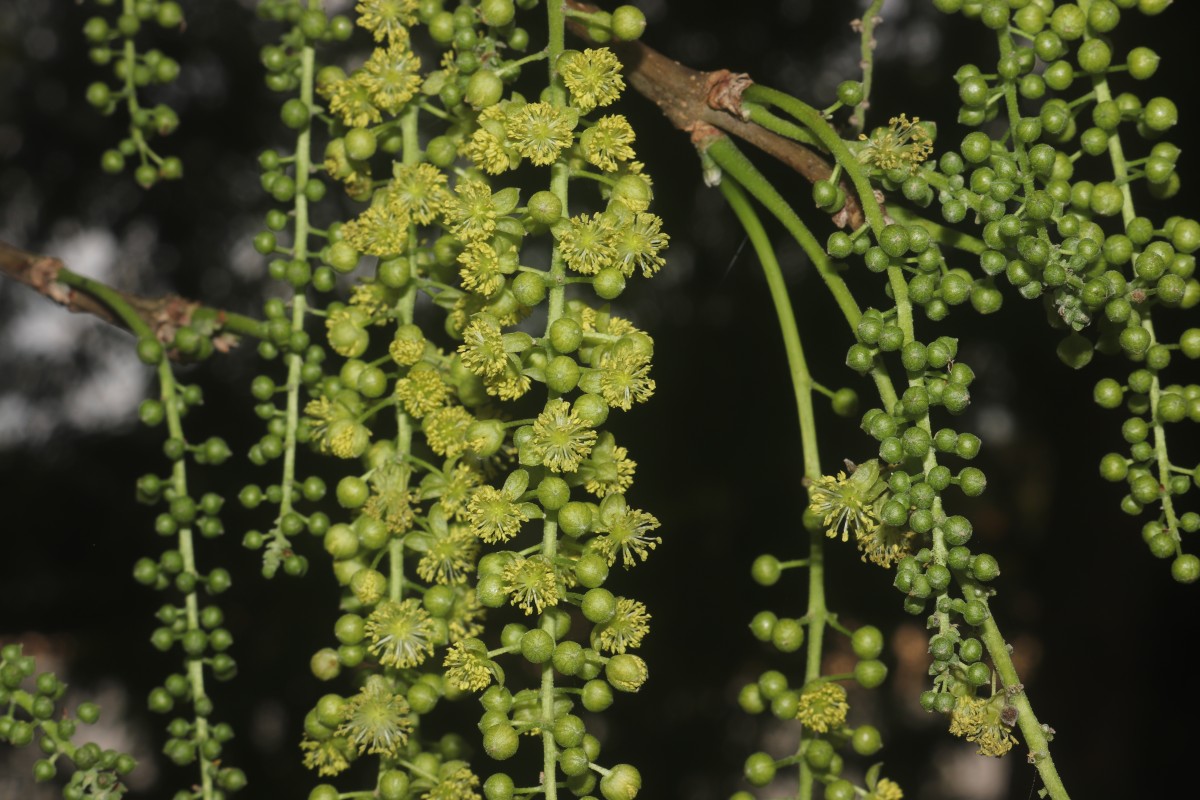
pixel 162 315
pixel 696 101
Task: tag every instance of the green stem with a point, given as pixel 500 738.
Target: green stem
pixel 295 361
pixel 732 161
pixel 867 55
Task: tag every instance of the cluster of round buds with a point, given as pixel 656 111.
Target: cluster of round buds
pixel 38 714
pixel 449 461
pixel 113 43
pixel 1057 201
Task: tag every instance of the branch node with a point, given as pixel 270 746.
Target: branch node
pixel 725 90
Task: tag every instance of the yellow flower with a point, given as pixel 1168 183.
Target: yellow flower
pixel 391 501
pixel 392 76
pixel 480 271
pixel 329 757
pixel 377 719
pixel 847 504
pixel 625 379
pixel 883 544
pixel 449 557
pixel 902 143
pixel 482 350
pixel 468 667
pixel 351 98
pixel 586 244
pixel 539 131
pixel 626 629
pixel 401 633
pixel 886 789
pixel 420 189
pixel 488 149
pixel 455 782
pixel 980 721
pixel 465 615
pixel 387 18
pixel 422 390
pixel 637 242
pixel 607 142
pixel 470 212
pixel 609 469
pixel 592 76
pixel 381 230
pixel 446 430
pixel 493 516
pixel 624 530
pixel 531 583
pixel 408 345
pixel 560 438
pixel 822 706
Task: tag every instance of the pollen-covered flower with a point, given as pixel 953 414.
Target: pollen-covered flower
pixel 586 243
pixel 903 143
pixel 593 77
pixel 822 706
pixel 329 757
pixel 510 385
pixel 350 98
pixel 450 556
pixel 387 18
pixel 625 378
pixel 468 667
pixel 637 242
pixel 531 583
pixel 493 516
pixel 453 489
pixel 480 272
pixel 377 719
pixel 608 141
pixel 381 230
pixel 455 782
pixel 422 390
pixel 420 189
pixel 401 633
pixel 539 131
pixel 482 350
pixel 847 505
pixel 624 530
pixel 980 721
pixel 463 621
pixel 884 544
pixel 609 469
pixel 886 789
pixel 470 212
pixel 560 438
pixel 446 430
pixel 489 149
pixel 391 500
pixel 408 345
pixel 626 628
pixel 392 76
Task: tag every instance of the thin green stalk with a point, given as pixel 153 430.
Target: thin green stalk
pixel 560 176
pixel 295 361
pixel 733 162
pixel 802 388
pixel 811 118
pixel 802 382
pixel 867 55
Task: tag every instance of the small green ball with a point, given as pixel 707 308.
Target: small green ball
pixel 759 769
pixel 765 570
pixel 870 673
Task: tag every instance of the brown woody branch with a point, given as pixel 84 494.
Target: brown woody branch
pixel 164 315
pixel 696 102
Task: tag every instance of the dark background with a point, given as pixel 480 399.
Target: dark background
pixel 1097 623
